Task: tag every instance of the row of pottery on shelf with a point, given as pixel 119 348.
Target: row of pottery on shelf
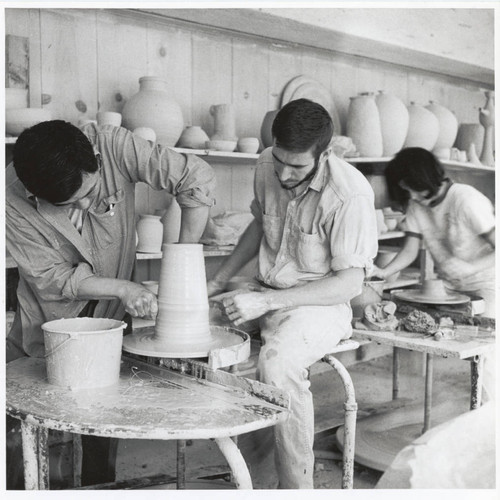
pixel 194 137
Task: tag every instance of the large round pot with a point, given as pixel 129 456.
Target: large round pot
pixel 423 128
pixel 394 120
pixel 153 107
pixel 363 125
pixel 470 133
pixel 266 128
pixel 448 125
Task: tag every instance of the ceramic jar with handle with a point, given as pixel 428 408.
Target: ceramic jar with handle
pixel 224 122
pixel 363 125
pixel 394 120
pixel 423 128
pixel 153 107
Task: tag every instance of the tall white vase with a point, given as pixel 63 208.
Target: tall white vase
pixel 183 312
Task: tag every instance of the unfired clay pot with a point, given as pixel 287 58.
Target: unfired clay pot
pixel 150 233
pixel 448 126
pixel 266 134
pixel 363 125
pixel 193 137
pixel 248 145
pixel 470 133
pixel 423 128
pixel 224 122
pixel 394 119
pixel 153 107
pixel 183 313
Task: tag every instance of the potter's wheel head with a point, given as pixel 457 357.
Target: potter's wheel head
pixel 146 343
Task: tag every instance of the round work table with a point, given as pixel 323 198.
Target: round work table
pixel 188 401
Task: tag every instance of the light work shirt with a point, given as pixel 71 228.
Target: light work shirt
pixel 453 228
pixel 329 227
pixel 53 257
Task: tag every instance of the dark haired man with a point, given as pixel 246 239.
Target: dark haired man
pixel 315 235
pixel 70 226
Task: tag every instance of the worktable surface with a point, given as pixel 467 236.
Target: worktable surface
pixel 149 402
pixel 462 347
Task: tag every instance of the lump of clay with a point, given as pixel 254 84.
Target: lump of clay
pixel 380 316
pixel 419 322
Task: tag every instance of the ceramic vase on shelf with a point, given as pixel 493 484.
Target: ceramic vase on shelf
pixel 183 312
pixel 394 120
pixel 266 134
pixel 363 125
pixel 150 233
pixel 224 122
pixel 193 137
pixel 470 133
pixel 448 126
pixel 487 120
pixel 423 128
pixel 154 107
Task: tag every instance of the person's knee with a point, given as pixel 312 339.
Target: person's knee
pixel 278 369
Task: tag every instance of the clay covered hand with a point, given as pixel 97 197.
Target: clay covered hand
pixel 138 301
pixel 243 307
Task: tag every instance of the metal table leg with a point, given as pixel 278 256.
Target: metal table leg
pixel 395 372
pixel 428 392
pixel 181 464
pixel 236 461
pixel 77 460
pixel 476 379
pixel 35 456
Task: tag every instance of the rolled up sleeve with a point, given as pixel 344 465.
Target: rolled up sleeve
pixel 190 179
pixel 353 238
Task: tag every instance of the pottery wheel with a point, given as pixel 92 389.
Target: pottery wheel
pixel 146 343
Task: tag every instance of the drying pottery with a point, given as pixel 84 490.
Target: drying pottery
pixel 266 134
pixel 146 133
pixel 17 120
pixel 448 126
pixel 363 125
pixel 171 220
pixel 221 145
pixel 109 118
pixel 423 128
pixel 394 119
pixel 487 120
pixel 431 292
pixel 153 107
pixel 224 122
pixel 150 232
pixel 193 137
pixel 83 353
pixel 248 145
pixel 16 98
pixel 470 133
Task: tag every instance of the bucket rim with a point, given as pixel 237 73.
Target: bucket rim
pixel 115 324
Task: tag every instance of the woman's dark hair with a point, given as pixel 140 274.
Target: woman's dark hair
pixel 50 158
pixel 418 168
pixel 301 125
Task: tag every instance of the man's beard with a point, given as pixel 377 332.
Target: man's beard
pixel 308 177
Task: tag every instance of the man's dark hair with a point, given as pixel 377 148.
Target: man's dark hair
pixel 50 158
pixel 301 125
pixel 418 168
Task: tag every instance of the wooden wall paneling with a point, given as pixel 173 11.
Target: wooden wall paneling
pixel 212 77
pixel 224 192
pixel 121 59
pixel 284 64
pixel 17 61
pixel 169 56
pixel 250 77
pixel 343 78
pixel 242 187
pixel 69 63
pixel 17 22
pixel 35 73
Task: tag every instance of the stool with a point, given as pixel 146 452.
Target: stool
pixel 350 410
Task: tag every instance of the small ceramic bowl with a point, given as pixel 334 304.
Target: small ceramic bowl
pixel 248 145
pixel 17 120
pixel 220 145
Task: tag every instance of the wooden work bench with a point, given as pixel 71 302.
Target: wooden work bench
pixel 183 401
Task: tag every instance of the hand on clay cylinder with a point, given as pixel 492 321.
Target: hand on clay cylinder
pixel 138 301
pixel 244 307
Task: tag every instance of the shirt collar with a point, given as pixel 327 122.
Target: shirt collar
pixel 318 181
pixel 442 196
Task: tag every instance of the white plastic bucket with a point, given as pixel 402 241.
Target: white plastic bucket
pixel 83 353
